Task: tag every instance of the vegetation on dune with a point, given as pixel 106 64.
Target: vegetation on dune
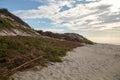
pixel 66 36
pixel 24 51
pixel 7 24
pixel 6 13
pixel 10 23
pixel 16 50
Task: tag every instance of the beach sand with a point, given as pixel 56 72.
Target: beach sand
pixel 90 62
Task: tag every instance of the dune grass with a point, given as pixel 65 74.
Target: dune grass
pixel 16 50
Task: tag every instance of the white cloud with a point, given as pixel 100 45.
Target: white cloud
pixel 100 15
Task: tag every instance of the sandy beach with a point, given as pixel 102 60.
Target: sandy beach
pixel 90 62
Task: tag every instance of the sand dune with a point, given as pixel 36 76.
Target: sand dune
pixel 90 62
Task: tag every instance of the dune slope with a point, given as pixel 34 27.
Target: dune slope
pixel 90 62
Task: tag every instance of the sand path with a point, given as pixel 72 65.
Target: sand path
pixel 90 62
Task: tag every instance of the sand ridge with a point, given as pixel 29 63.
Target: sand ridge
pixel 90 62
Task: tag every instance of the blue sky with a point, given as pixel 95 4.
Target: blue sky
pixel 98 20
